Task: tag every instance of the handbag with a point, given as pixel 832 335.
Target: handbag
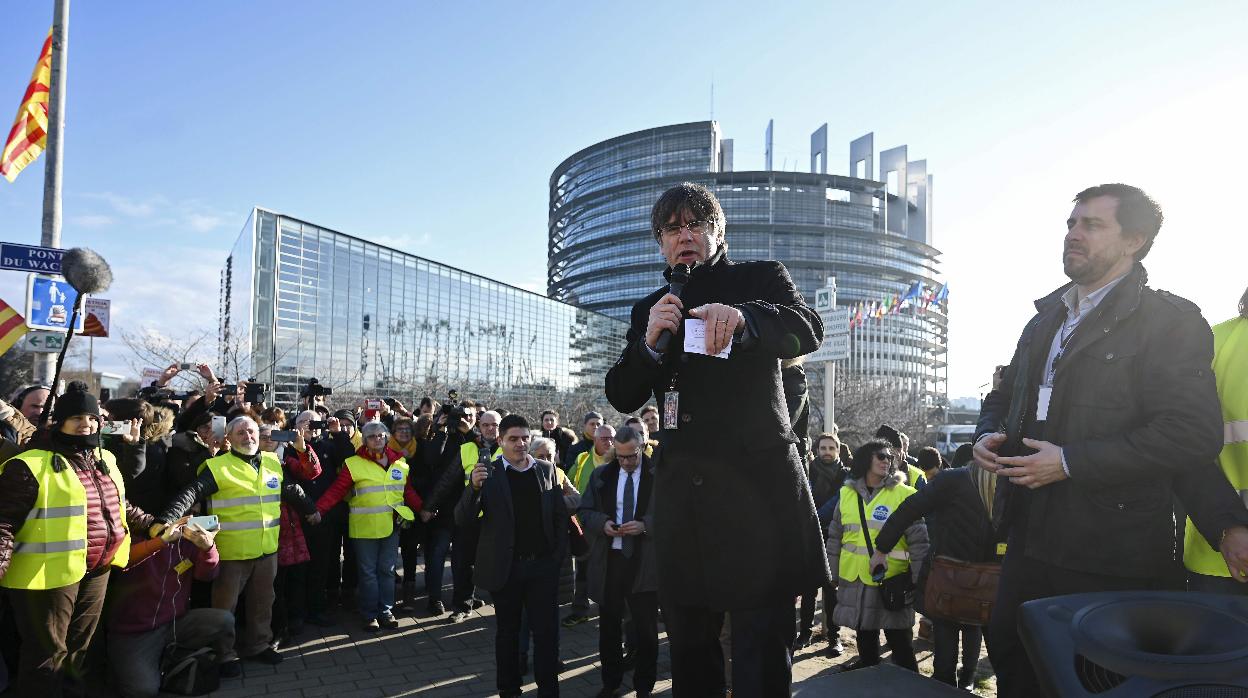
pixel 960 591
pixel 895 592
pixel 189 672
pixel 578 544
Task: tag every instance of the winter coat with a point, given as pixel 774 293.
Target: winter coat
pixel 19 491
pixel 564 439
pixel 957 523
pixel 17 431
pixel 151 591
pixel 292 547
pixel 182 460
pixel 1134 408
pixel 858 605
pixel 739 527
pixel 598 507
pixel 338 491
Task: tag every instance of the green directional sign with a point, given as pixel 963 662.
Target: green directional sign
pixel 45 342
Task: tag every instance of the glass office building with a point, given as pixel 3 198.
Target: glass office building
pixel 301 301
pixel 873 236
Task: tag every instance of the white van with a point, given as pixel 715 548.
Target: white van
pixel 950 436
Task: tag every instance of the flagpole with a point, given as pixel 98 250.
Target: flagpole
pixel 44 364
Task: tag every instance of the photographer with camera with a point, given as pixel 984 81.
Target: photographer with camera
pixel 331 449
pixel 461 450
pixel 148 607
pixel 299 463
pixel 314 394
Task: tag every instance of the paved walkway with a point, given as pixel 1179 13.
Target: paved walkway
pixel 432 657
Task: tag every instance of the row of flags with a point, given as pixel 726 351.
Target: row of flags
pixel 919 297
pixel 29 135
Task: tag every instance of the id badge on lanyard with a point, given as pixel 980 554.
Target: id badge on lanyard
pixel 671 405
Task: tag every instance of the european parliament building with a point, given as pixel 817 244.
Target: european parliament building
pixel 299 301
pixel 873 233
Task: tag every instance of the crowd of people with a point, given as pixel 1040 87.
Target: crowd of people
pixel 159 541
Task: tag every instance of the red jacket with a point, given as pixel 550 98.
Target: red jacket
pixel 292 546
pixel 343 484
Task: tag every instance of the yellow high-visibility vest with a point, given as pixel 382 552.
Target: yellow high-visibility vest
pixel 1230 370
pixel 50 549
pixel 855 562
pixel 248 503
pixel 377 493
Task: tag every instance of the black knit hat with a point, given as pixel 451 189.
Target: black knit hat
pixel 345 416
pixel 76 400
pixel 889 434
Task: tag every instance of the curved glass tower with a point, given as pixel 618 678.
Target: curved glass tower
pixel 873 236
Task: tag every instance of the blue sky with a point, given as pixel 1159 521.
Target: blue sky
pixel 434 129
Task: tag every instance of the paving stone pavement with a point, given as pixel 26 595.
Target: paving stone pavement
pixel 432 657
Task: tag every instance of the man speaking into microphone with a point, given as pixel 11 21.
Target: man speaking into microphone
pixel 735 525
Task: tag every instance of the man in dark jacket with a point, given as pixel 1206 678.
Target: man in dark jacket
pixel 617 517
pixel 740 529
pixel 827 475
pixel 516 503
pixel 1107 406
pixel 589 426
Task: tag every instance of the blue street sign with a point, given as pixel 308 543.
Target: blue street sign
pixel 49 303
pixel 30 258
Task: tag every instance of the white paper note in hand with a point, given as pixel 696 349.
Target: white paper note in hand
pixel 695 339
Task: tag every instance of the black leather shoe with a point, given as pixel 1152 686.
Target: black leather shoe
pixel 835 648
pixel 435 609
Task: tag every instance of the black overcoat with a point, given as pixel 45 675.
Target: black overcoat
pixel 734 519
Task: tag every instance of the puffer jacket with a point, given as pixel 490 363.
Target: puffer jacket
pixel 19 490
pixel 858 605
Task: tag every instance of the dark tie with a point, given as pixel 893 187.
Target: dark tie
pixel 627 514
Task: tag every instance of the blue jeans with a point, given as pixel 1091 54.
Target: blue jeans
pixel 436 550
pixel 376 559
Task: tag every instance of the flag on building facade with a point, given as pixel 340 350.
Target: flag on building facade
pixel 29 134
pixel 12 327
pixel 942 295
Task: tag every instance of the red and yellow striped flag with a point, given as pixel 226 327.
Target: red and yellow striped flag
pixel 29 134
pixel 12 327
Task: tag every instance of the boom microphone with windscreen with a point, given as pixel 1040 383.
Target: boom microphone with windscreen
pixel 676 286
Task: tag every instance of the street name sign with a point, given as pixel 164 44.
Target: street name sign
pixel 30 258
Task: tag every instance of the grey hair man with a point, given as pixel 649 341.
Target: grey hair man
pixel 244 488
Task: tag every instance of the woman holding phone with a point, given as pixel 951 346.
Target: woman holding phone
pixel 872 493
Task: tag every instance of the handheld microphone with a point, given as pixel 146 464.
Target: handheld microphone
pixel 676 286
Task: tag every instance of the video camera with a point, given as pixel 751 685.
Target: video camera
pixel 253 393
pixel 315 389
pixel 153 394
pixel 452 409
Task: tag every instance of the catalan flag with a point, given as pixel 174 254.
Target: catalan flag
pixel 29 134
pixel 12 327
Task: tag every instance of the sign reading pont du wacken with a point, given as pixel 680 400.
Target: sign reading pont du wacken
pixel 30 258
pixel 97 312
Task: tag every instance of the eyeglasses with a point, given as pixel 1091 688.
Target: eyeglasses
pixel 694 227
pixel 377 436
pixel 622 457
pixel 884 456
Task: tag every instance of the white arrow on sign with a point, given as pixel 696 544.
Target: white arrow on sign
pixel 45 342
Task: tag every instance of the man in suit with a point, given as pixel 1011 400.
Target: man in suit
pixel 615 513
pixel 523 540
pixel 1107 410
pixel 740 532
